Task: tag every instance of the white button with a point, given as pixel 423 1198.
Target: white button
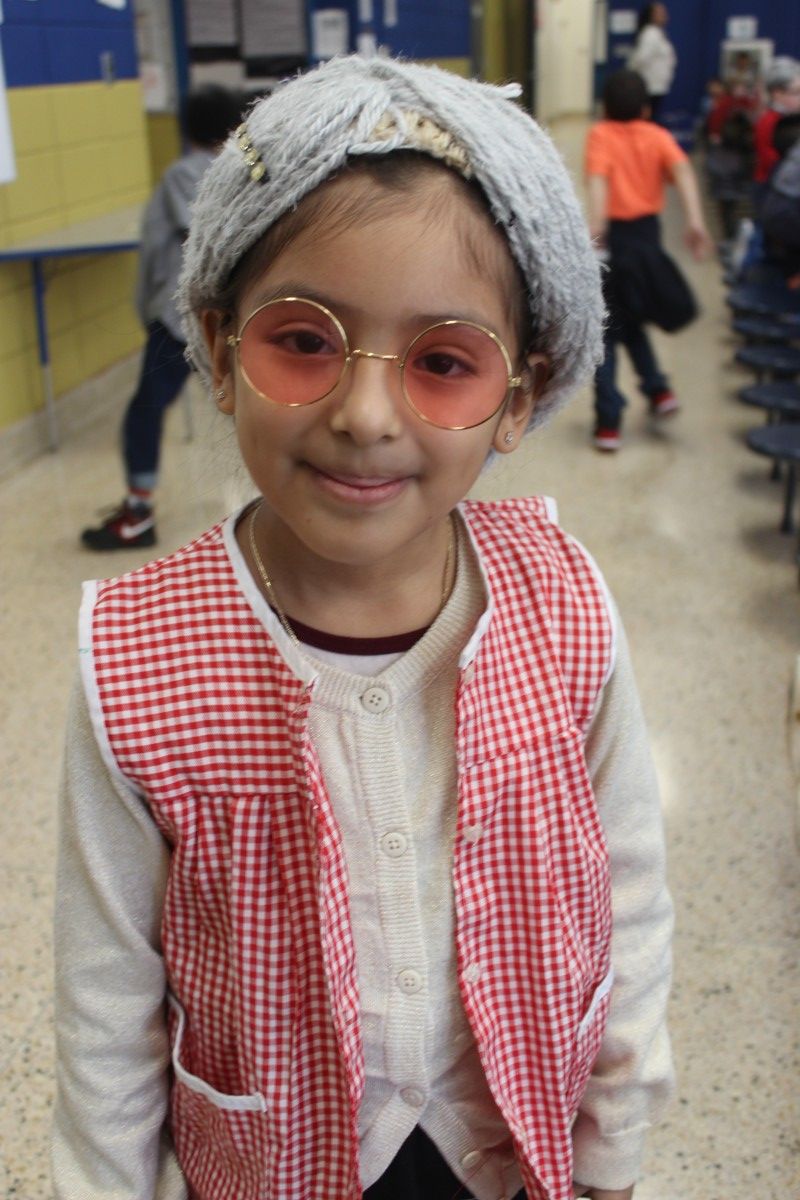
pixel 469 674
pixel 473 833
pixel 394 844
pixel 410 981
pixel 413 1096
pixel 473 972
pixel 375 700
pixel 471 1159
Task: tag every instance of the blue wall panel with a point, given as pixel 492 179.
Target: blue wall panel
pixel 24 55
pixel 61 41
pixel 73 55
pixel 424 29
pixel 429 30
pixel 56 12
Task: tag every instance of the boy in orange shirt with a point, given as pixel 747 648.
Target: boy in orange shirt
pixel 628 162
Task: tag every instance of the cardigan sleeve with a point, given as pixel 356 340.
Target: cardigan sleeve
pixel 632 1078
pixel 108 1137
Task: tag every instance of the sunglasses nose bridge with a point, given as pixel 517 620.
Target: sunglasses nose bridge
pixel 395 358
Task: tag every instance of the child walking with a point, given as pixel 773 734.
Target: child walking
pixel 361 885
pixel 208 114
pixel 629 160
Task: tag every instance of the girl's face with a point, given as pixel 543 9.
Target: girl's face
pixel 358 479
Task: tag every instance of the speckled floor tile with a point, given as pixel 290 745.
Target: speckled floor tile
pixel 25 1116
pixel 25 952
pixel 734 1129
pixel 683 522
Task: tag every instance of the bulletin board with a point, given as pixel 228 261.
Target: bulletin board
pixel 268 37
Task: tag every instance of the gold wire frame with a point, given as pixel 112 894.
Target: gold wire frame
pixel 513 381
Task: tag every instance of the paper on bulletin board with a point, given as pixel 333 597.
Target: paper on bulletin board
pixel 119 4
pixel 273 28
pixel 624 20
pixel 210 23
pixel 155 91
pixel 330 32
pixel 8 166
pixel 742 29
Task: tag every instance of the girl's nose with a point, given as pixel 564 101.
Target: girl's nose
pixel 368 404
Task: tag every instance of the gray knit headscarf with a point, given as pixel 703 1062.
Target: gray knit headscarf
pixel 303 133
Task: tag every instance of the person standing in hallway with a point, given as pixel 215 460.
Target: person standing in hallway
pixel 208 114
pixel 654 55
pixel 783 99
pixel 628 162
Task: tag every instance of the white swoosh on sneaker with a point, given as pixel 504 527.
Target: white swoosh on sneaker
pixel 131 531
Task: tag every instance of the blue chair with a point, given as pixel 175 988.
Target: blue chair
pixel 781 443
pixel 779 361
pixel 766 300
pixel 765 329
pixel 779 399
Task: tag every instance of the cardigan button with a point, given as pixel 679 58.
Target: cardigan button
pixel 413 1097
pixel 471 1159
pixel 394 844
pixel 375 700
pixel 410 982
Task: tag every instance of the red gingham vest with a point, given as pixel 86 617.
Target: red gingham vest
pixel 207 722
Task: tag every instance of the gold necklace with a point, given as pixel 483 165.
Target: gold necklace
pixel 447 582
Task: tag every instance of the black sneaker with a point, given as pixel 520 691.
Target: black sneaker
pixel 125 528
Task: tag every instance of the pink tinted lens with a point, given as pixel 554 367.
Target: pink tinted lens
pixel 455 375
pixel 291 352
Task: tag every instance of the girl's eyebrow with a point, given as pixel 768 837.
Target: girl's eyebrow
pixel 343 310
pixel 301 290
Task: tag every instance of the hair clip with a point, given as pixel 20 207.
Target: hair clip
pixel 258 170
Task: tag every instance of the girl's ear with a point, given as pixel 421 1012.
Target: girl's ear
pixel 216 328
pixel 517 412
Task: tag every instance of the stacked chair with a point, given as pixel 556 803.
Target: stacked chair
pixel 766 315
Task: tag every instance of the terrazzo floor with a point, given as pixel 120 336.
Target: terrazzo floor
pixel 684 523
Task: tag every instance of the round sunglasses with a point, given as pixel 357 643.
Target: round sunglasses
pixel 454 374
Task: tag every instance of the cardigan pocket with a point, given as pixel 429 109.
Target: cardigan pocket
pixel 217 1135
pixel 588 1039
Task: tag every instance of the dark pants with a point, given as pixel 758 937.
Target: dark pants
pixel 655 103
pixel 624 330
pixel 418 1172
pixel 163 373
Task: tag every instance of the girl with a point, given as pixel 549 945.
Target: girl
pixel 343 775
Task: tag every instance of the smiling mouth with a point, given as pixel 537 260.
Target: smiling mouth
pixel 361 488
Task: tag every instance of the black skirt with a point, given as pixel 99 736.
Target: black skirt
pixel 418 1172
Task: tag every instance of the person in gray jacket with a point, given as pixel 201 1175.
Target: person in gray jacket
pixel 208 114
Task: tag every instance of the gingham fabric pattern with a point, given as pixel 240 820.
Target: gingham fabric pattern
pixel 208 724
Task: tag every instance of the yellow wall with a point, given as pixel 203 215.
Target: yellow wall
pixel 459 66
pixel 164 140
pixel 505 51
pixel 81 150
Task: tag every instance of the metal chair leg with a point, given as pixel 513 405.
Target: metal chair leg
pixel 787 522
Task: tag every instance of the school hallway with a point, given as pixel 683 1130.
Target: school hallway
pixel 684 523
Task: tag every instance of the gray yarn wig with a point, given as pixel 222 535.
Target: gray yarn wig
pixel 302 134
